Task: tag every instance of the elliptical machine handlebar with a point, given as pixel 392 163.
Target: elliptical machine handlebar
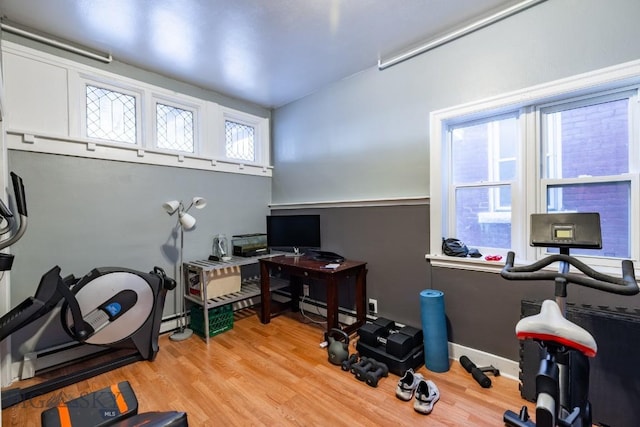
pixel 18 190
pixel 21 204
pixel 626 285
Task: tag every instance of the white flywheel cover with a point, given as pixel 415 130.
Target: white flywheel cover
pixel 104 287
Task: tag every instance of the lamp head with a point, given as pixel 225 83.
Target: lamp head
pixel 171 207
pixel 186 220
pixel 199 202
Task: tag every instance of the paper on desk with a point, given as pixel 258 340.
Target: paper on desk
pixel 331 266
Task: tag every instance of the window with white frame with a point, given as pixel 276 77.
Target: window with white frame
pixel 483 165
pixel 239 141
pixel 578 153
pixel 245 138
pixel 175 128
pixel 110 114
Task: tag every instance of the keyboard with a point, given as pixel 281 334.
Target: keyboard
pixel 326 256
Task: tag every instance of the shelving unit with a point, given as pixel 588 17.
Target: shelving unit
pixel 249 287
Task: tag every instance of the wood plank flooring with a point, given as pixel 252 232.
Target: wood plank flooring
pixel 276 375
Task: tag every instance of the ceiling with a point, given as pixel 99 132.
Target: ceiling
pixel 269 52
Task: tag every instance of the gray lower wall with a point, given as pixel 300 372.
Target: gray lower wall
pixel 482 309
pixel 393 241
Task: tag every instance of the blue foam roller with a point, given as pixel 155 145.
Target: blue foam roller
pixel 434 329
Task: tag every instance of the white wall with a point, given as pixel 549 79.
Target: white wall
pixel 367 137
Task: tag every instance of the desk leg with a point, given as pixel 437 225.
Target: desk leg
pixel 361 296
pixel 295 287
pixel 265 294
pixel 332 303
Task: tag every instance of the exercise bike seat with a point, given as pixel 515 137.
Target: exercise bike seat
pixel 551 325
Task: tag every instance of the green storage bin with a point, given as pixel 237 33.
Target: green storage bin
pixel 220 319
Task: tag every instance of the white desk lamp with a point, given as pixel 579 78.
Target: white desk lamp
pixel 187 222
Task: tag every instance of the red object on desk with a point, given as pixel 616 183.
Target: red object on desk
pixel 300 267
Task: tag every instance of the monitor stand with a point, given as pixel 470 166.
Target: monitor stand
pixel 296 252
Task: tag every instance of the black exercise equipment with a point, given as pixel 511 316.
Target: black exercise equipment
pixel 7 217
pixel 346 364
pixel 100 408
pixel 399 349
pixel 562 383
pixel 361 368
pixel 116 405
pixel 377 371
pixel 369 370
pixel 338 349
pixel 156 419
pixel 478 373
pixel 110 311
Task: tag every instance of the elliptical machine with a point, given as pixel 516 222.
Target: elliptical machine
pixel 109 311
pixel 562 382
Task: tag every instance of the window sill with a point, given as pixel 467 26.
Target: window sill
pixel 481 265
pixel 460 263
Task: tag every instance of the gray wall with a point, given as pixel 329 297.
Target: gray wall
pixel 393 241
pixel 367 137
pixel 86 213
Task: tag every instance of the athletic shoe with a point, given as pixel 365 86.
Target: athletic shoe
pixel 427 394
pixel 407 385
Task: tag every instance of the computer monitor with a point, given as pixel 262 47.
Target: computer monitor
pixel 293 233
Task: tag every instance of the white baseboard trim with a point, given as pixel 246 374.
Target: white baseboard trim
pixel 508 368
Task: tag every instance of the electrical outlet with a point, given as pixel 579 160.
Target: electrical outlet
pixel 373 305
pixel 305 290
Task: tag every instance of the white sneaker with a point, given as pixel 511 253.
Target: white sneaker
pixel 407 385
pixel 427 394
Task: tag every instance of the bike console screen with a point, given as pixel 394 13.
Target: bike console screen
pixel 568 230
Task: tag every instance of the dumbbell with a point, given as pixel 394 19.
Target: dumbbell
pixel 361 368
pixel 396 343
pixel 346 364
pixel 478 373
pixel 377 371
pixel 406 339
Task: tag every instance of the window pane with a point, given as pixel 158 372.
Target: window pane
pixel 240 140
pixel 611 201
pixel 480 151
pixel 592 140
pixel 478 223
pixel 110 115
pixel 174 128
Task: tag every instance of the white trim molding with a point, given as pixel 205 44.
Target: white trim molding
pixel 359 203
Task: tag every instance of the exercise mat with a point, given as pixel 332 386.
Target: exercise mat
pixel 434 329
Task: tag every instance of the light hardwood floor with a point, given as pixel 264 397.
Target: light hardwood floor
pixel 276 375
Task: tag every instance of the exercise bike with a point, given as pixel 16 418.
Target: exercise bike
pixel 562 382
pixel 110 311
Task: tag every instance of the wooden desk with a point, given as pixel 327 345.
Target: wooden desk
pixel 306 267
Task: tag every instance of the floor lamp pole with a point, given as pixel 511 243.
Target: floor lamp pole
pixel 183 332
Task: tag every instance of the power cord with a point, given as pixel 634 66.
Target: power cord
pixel 306 316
